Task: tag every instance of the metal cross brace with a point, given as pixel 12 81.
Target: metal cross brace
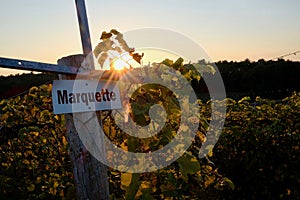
pixel 36 66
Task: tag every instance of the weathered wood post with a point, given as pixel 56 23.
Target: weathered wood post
pixel 90 175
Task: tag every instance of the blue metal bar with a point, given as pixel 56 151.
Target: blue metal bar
pixel 84 27
pixel 109 75
pixel 36 66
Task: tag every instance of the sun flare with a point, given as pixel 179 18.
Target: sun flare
pixel 122 62
pixel 119 64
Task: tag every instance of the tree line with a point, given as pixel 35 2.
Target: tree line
pixel 268 79
pixel 20 83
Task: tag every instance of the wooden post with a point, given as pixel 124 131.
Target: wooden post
pixel 90 175
pixel 95 179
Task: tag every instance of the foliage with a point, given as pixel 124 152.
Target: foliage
pixel 34 161
pixel 258 150
pixel 174 181
pixel 188 176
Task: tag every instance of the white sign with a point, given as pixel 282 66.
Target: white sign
pixel 70 96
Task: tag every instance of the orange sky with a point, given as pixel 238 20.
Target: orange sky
pixel 227 30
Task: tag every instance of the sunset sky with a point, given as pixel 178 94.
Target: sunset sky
pixel 226 29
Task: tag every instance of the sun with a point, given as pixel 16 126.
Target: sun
pixel 119 64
